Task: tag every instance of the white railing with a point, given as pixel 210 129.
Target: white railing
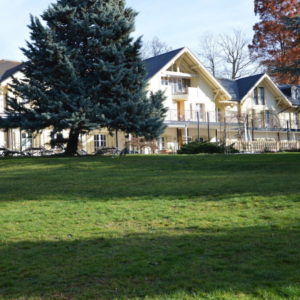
pixel 242 120
pixel 179 91
pixel 194 116
pixel 191 92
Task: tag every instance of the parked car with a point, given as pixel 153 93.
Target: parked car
pixel 107 151
pixel 38 151
pixel 81 153
pixel 4 152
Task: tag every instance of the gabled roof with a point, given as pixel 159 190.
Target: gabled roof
pixel 156 63
pixel 8 68
pixel 239 88
pixel 162 62
pixel 247 83
pixel 232 87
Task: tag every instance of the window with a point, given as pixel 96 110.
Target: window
pixel 297 119
pixel 186 83
pixel 267 118
pixel 200 110
pixel 259 96
pixel 99 141
pixel 26 140
pixel 256 96
pixel 191 111
pixel 179 85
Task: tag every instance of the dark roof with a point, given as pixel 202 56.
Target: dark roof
pixel 286 89
pixel 292 92
pixel 231 87
pixel 8 68
pixel 156 63
pixel 247 83
pixel 239 88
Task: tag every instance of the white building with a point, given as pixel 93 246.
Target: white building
pixel 252 112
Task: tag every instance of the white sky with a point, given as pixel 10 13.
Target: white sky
pixel 177 22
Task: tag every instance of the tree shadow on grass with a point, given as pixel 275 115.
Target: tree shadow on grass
pixel 105 178
pixel 253 261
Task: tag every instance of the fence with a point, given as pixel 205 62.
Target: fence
pixel 268 146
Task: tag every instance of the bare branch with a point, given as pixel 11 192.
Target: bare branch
pixel 154 47
pixel 209 52
pixel 227 55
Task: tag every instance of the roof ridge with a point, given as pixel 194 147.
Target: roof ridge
pixel 10 60
pixel 255 75
pixel 224 78
pixel 164 53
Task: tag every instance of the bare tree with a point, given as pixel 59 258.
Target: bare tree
pixel 235 53
pixel 154 47
pixel 210 52
pixel 227 55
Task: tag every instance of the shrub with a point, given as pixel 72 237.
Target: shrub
pixel 206 147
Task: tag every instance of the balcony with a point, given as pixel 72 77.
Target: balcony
pixel 184 93
pixel 192 116
pixel 233 120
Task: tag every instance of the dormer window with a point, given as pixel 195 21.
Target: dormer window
pixel 259 96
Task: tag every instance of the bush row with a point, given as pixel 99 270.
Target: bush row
pixel 206 147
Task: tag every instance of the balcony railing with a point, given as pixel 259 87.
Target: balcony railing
pixel 179 91
pixel 194 116
pixel 256 122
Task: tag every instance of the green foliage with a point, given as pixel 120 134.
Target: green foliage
pixel 206 147
pixel 155 227
pixel 84 71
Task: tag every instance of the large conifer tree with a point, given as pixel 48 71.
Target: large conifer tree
pixel 84 71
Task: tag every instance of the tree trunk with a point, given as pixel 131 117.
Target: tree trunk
pixel 72 142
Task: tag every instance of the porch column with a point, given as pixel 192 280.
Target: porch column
pixel 117 139
pixel 186 134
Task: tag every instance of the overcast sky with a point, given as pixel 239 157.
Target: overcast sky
pixel 178 23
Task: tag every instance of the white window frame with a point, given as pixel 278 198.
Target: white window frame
pixel 26 140
pixel 100 141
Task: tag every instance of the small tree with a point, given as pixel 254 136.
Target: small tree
pixel 84 72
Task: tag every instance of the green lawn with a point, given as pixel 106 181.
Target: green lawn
pixel 150 227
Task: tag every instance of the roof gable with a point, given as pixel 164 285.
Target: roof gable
pixel 159 63
pixel 239 88
pixel 156 63
pixel 247 83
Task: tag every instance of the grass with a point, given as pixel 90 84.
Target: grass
pixel 150 227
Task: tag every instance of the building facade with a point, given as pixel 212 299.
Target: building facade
pixel 253 113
